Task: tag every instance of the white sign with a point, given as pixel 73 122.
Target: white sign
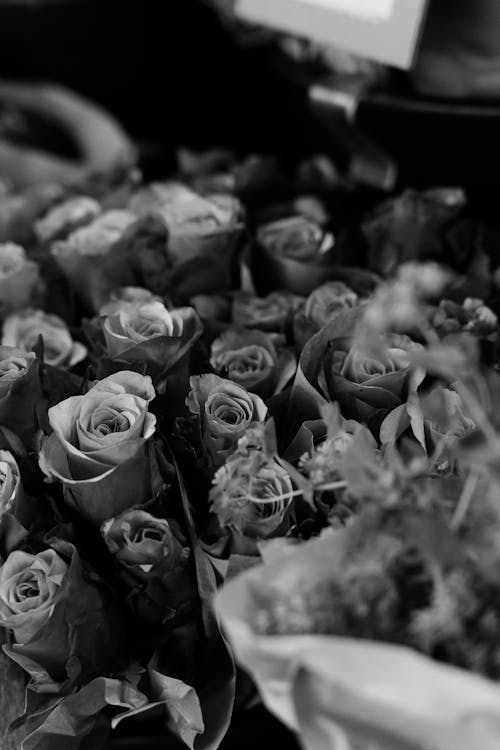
pixel 383 30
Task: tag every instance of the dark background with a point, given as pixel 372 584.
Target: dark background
pixel 168 70
pixel 173 75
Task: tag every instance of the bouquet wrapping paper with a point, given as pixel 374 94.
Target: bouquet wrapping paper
pixel 346 694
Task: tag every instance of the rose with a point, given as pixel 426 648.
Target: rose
pixel 95 238
pixel 138 323
pixel 412 226
pixel 203 236
pixel 29 589
pixel 320 306
pixel 294 253
pixel 99 448
pixel 298 255
pixel 336 367
pixel 249 358
pixel 149 332
pixel 67 217
pixel 197 224
pixel 20 391
pixel 226 410
pixel 150 553
pixel 368 386
pixel 296 237
pixel 66 631
pixel 327 299
pixel 269 313
pixel 19 277
pixel 11 489
pixel 19 211
pixel 365 367
pixel 138 538
pixel 127 295
pixel 23 329
pixel 92 259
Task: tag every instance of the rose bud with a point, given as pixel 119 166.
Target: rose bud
pixel 226 410
pixel 20 391
pixel 269 313
pixel 67 217
pixel 138 539
pixel 155 567
pixel 55 614
pixel 250 358
pixel 23 330
pixel 19 278
pixel 11 489
pixel 96 238
pixel 149 332
pixel 100 450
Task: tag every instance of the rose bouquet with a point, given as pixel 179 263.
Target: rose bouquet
pixel 202 386
pixel 405 563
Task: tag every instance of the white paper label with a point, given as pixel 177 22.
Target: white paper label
pixel 383 30
pixel 368 10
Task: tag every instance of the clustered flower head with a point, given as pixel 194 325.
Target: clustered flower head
pixel 397 304
pixel 251 490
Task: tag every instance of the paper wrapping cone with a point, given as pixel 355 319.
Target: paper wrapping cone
pixel 349 694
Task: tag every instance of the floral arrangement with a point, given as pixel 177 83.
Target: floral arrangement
pixel 254 380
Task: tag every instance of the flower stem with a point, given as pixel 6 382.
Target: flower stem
pixel 296 493
pixel 465 500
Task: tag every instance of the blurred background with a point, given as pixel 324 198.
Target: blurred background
pixel 188 73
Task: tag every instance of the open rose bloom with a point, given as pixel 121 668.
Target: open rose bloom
pixel 20 391
pixel 146 331
pixel 29 587
pixel 89 261
pixel 226 411
pixel 203 234
pixel 99 448
pixel 345 694
pixel 297 254
pixel 250 358
pixel 67 217
pixel 11 488
pixel 24 329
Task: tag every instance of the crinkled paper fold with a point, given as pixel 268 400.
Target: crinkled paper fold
pixel 347 694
